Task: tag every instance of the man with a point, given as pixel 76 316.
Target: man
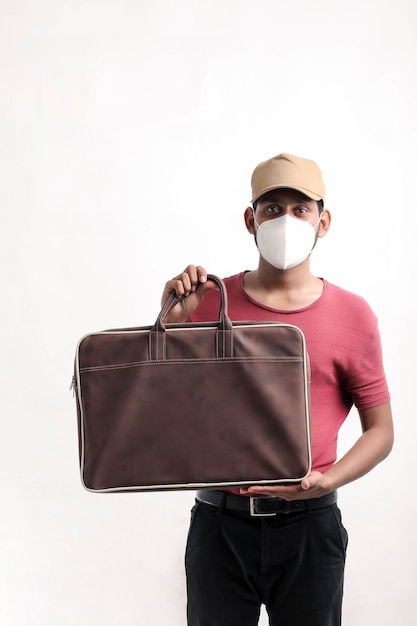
pixel 292 562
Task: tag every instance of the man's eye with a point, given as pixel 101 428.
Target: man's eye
pixel 272 209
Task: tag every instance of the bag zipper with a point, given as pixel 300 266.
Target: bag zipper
pixel 73 386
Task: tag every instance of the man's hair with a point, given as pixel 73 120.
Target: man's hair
pixel 320 205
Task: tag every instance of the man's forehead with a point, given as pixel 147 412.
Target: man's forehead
pixel 284 192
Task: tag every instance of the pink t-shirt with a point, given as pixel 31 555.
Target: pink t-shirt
pixel 344 347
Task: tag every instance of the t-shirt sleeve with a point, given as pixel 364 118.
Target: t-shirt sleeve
pixel 367 383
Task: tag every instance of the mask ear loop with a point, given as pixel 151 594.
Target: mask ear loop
pixel 317 233
pixel 318 222
pixel 254 218
pixel 255 229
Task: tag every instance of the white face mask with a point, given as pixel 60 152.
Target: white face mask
pixel 285 241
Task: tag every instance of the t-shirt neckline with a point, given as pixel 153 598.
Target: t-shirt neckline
pixel 281 311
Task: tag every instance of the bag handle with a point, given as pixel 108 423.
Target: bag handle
pixel 224 335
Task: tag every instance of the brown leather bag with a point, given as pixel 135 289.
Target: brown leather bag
pixel 193 405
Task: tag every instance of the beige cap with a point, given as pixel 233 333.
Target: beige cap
pixel 288 171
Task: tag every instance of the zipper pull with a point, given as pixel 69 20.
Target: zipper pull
pixel 73 386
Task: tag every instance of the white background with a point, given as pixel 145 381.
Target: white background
pixel 129 131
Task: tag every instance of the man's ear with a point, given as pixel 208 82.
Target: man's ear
pixel 249 220
pixel 325 221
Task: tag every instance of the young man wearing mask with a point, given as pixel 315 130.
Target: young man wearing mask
pixel 293 562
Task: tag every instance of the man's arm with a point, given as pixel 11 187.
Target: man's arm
pixel 371 448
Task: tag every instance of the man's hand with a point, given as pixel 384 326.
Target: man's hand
pixel 314 486
pixel 191 286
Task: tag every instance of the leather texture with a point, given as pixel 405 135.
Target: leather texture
pixel 194 405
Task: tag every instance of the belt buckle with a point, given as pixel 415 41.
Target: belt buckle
pixel 252 509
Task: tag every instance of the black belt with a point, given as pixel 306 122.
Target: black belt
pixel 265 506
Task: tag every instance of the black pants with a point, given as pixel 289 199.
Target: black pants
pixel 293 563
